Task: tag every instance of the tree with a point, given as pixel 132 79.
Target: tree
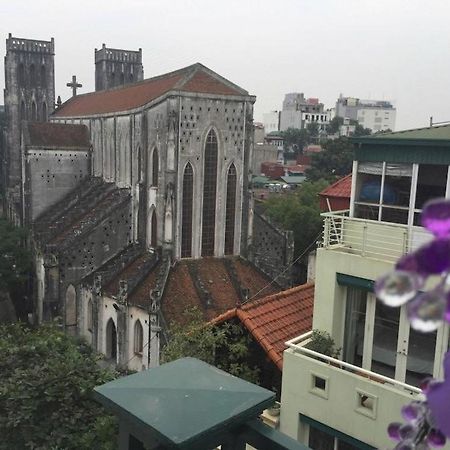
pixel 335 124
pixel 333 162
pixel 225 346
pixel 299 212
pixel 46 384
pixel 295 139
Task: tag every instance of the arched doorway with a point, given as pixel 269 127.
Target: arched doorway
pixel 111 340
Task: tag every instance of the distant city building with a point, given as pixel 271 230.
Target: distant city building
pixel 271 121
pixel 299 111
pixel 259 133
pixel 378 115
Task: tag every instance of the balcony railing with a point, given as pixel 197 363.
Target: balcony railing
pixel 370 238
pixel 298 345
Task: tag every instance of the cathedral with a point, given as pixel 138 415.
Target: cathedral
pixel 138 198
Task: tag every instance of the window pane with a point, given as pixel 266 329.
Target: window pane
pixel 355 317
pixel 431 183
pixel 385 336
pixel 394 215
pixel 397 185
pixel 319 440
pixel 421 348
pixel 366 212
pixel 230 211
pixel 342 445
pixel 186 212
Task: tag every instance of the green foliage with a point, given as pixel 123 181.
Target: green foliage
pixel 333 162
pixel 46 384
pixel 225 346
pixel 295 139
pixel 299 212
pixel 335 124
pixel 322 342
pixel 15 258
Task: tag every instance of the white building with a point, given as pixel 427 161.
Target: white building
pixel 347 403
pixel 271 121
pixel 378 115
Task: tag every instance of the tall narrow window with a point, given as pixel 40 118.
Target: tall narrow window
pixel 138 338
pixel 230 210
pixel 154 222
pixel 131 78
pixel 44 112
pixel 155 168
pixel 33 111
pixel 186 214
pixel 111 340
pixel 90 315
pixel 209 195
pixel 32 75
pixel 122 78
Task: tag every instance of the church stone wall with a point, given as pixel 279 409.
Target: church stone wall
pixel 50 174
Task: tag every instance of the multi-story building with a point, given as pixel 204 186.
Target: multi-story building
pixel 378 115
pixel 348 402
pixel 298 111
pixel 271 121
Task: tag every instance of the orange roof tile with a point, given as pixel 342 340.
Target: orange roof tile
pixel 341 188
pixel 194 78
pixel 274 319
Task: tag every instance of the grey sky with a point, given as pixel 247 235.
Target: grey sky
pixel 391 49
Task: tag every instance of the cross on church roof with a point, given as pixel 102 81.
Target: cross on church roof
pixel 74 85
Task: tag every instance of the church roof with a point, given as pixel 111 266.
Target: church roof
pixel 195 78
pixel 274 319
pixel 60 135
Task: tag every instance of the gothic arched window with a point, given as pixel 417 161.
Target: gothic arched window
pixel 230 210
pixel 154 228
pixel 113 77
pixel 33 111
pixel 186 212
pixel 44 112
pixel 122 78
pixel 138 337
pixel 111 340
pixel 71 307
pixel 32 75
pixel 155 168
pixel 209 195
pixel 131 77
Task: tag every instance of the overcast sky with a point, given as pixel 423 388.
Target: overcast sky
pixel 396 50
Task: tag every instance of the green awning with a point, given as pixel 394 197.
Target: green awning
pixel 357 282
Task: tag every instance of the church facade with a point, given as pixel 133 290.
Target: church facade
pixel 138 197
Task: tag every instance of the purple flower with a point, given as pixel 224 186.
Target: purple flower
pixel 434 258
pixel 438 396
pixel 436 217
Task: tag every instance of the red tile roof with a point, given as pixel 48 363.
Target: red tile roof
pixel 60 135
pixel 275 319
pixel 195 78
pixel 341 188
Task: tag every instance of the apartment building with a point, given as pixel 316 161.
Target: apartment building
pixel 347 402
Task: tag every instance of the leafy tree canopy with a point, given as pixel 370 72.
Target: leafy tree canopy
pixel 333 162
pixel 295 139
pixel 299 212
pixel 46 383
pixel 336 123
pixel 225 346
pixel 15 258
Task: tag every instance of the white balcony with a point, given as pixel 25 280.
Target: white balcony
pixel 373 239
pixel 347 398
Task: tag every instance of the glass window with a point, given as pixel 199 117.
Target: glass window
pixel 319 440
pixel 385 337
pixel 355 318
pixel 420 359
pixel 209 195
pixel 186 214
pixel 155 168
pixel 431 183
pixel 230 210
pixel 138 337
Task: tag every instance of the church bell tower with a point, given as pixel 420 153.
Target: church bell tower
pixel 114 67
pixel 29 95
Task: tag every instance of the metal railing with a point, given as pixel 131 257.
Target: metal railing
pixel 298 345
pixel 380 240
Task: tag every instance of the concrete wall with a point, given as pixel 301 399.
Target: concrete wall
pixel 290 119
pixel 338 406
pixel 50 174
pixel 263 153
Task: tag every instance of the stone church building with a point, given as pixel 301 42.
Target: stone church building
pixel 138 198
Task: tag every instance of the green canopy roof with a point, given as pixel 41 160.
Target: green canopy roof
pixel 183 402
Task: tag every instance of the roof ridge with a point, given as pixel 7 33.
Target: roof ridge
pixel 278 295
